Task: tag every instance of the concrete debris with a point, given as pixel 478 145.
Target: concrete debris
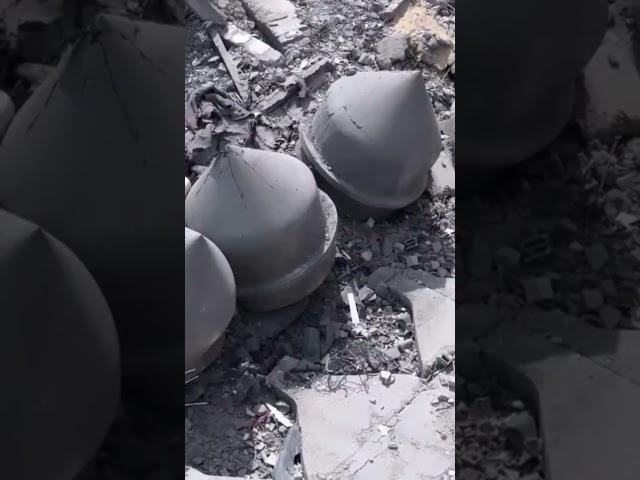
pixel 611 78
pixel 393 47
pixel 229 63
pixel 277 20
pixel 442 177
pixel 254 46
pixel 310 76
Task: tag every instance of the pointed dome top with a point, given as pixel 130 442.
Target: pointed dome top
pixel 59 354
pixel 381 123
pixel 263 210
pixel 210 297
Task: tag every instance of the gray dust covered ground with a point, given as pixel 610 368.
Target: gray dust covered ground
pixel 239 419
pixel 550 300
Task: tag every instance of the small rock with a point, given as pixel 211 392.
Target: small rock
pixel 393 47
pixel 597 256
pixel 366 255
pixel 386 378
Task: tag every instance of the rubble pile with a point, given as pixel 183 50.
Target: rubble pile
pixel 258 74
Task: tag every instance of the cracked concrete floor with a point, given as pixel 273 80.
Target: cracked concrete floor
pixel 356 428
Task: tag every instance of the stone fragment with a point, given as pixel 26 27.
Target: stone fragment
pixel 276 19
pixel 442 177
pixel 393 47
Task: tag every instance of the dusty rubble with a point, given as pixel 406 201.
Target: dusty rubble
pixel 236 424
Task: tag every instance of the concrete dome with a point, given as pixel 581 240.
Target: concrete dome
pixel 72 161
pixel 522 65
pixel 209 299
pixel 373 141
pixel 266 214
pixel 59 356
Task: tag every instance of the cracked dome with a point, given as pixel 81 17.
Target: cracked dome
pixel 59 356
pixel 266 214
pixel 373 142
pixel 73 158
pixel 209 299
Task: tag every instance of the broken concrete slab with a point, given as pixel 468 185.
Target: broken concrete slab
pixel 208 12
pixel 376 432
pixel 191 473
pixel 254 46
pixel 611 81
pixel 276 19
pixel 616 350
pixel 575 398
pixel 7 111
pixel 431 301
pixel 442 177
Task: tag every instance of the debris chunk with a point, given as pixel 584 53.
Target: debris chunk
pixel 597 256
pixel 254 46
pixel 393 47
pixel 240 84
pixel 276 19
pixel 394 9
